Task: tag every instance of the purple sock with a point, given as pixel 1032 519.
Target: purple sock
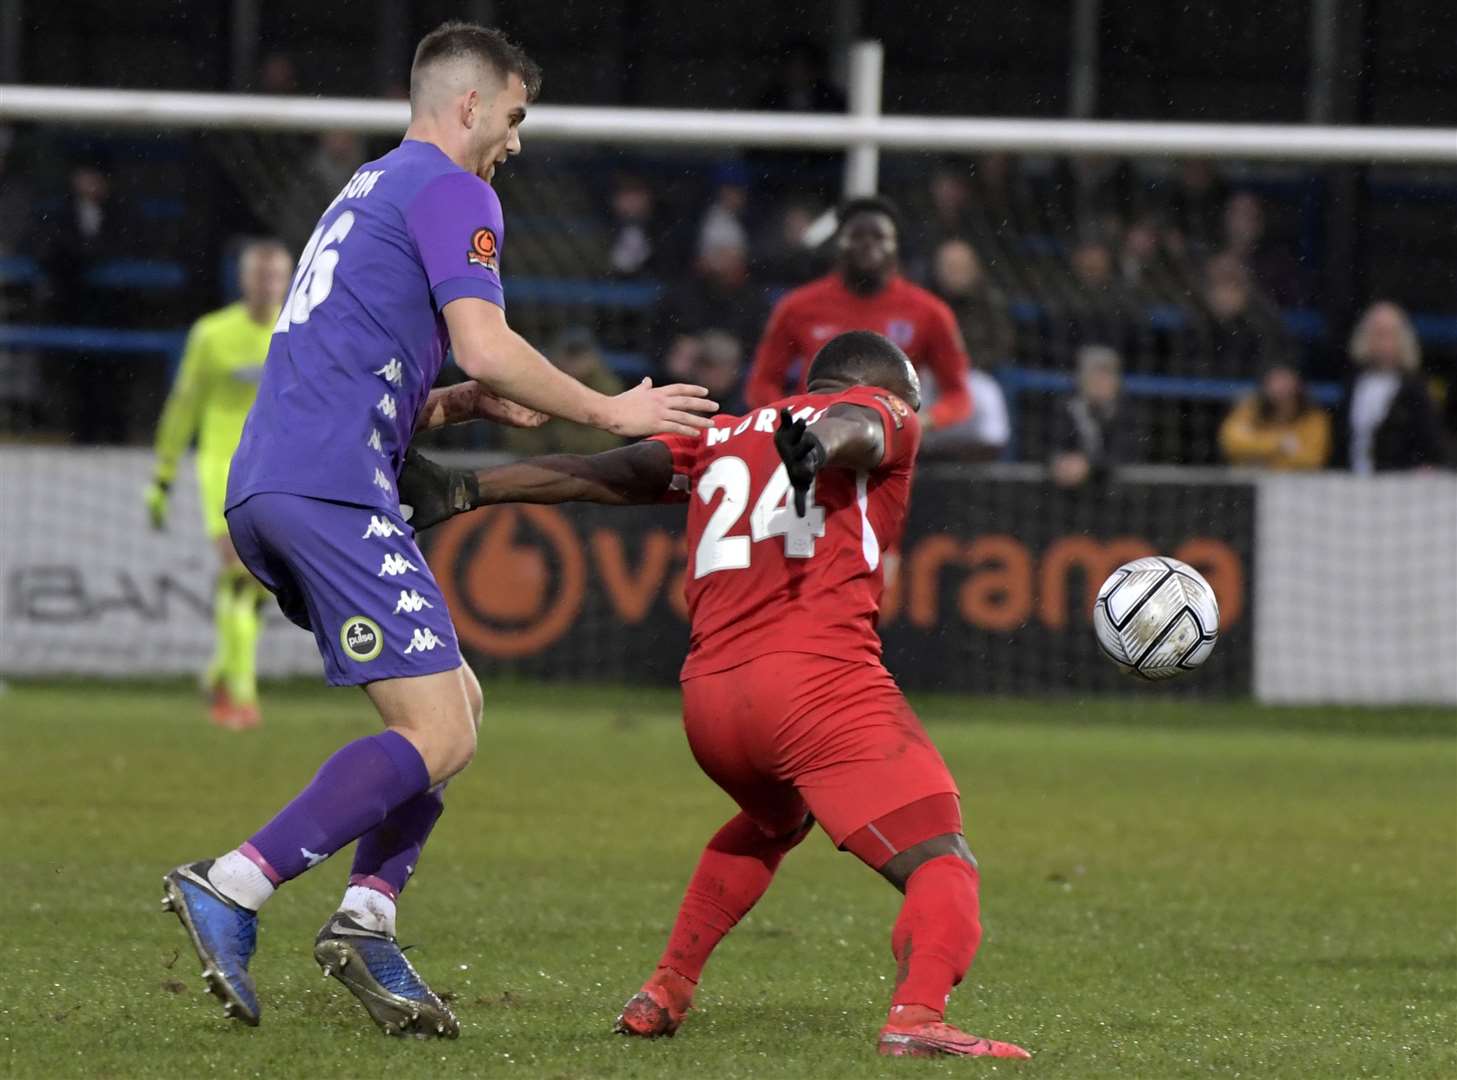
pixel 350 794
pixel 388 854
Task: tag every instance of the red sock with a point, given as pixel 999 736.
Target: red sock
pixel 936 935
pixel 733 873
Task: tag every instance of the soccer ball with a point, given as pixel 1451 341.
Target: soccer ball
pixel 1156 618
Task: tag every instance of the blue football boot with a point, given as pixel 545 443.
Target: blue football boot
pixel 224 934
pixel 374 968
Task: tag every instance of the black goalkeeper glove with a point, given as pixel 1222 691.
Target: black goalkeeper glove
pixel 431 493
pixel 802 453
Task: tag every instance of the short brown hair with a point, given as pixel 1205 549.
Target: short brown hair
pixel 454 40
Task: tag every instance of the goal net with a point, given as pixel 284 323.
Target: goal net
pixel 1163 354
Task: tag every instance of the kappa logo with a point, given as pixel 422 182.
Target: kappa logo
pixel 392 373
pixel 382 481
pixel 423 641
pixel 382 527
pixel 386 405
pixel 395 565
pixel 411 602
pixel 819 333
pixel 374 443
pixel 361 639
pixel 483 250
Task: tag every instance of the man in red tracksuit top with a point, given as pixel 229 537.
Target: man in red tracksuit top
pixel 865 292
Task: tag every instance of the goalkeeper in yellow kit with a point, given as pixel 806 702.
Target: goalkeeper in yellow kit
pixel 210 399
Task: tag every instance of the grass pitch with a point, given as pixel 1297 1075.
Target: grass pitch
pixel 1169 890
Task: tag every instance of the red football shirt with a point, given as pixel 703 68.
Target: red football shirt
pixel 761 579
pixel 915 319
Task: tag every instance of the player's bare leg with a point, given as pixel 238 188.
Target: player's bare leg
pixel 934 941
pixel 430 736
pixel 732 874
pixel 358 943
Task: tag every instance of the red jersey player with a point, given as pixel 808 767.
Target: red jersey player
pixel 865 292
pixel 785 701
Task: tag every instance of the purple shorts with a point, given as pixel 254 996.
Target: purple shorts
pixel 355 577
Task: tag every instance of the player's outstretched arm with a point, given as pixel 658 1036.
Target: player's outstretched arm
pixel 848 436
pixel 502 361
pixel 470 400
pixel 627 476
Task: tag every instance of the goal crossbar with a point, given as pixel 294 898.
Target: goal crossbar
pixel 589 124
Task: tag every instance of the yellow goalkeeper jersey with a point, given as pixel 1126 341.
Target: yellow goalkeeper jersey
pixel 215 387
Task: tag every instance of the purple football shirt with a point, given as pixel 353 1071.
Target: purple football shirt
pixel 362 337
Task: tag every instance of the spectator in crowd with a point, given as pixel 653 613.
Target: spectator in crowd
pixel 1138 253
pixel 998 186
pixel 1152 265
pixel 575 352
pixel 85 233
pixel 637 245
pixel 720 295
pixel 980 308
pixel 1097 190
pixel 337 156
pixel 983 436
pixel 719 366
pixel 1196 207
pixel 712 359
pixel 1278 426
pixel 950 215
pixel 15 198
pixel 1095 432
pixel 785 255
pixel 1276 270
pixel 1101 306
pixel 1244 332
pixel 865 292
pixel 725 213
pixel 1387 419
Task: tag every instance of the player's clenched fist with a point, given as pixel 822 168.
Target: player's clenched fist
pixel 430 492
pixel 679 409
pixel 802 453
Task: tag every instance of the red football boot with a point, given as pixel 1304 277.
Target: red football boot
pixel 916 1032
pixel 657 1009
pixel 220 708
pixel 245 717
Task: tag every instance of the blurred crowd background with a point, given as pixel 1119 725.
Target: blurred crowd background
pixel 1116 311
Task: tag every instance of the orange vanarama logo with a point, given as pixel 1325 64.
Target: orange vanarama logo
pixel 483 250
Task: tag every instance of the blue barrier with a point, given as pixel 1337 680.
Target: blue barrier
pixel 91 339
pixel 1305 324
pixel 624 294
pixel 1016 380
pixel 109 274
pixel 96 339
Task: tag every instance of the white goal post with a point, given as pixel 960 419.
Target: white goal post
pixel 864 131
pixel 703 127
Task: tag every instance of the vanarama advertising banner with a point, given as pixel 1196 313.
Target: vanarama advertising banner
pixel 992 589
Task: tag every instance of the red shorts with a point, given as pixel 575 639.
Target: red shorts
pixel 795 733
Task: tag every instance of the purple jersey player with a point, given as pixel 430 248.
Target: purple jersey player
pixel 405 261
